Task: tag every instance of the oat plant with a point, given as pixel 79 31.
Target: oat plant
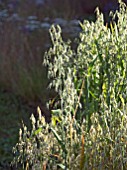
pixel 88 129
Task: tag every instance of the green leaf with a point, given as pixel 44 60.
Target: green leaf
pixel 36 132
pixel 56 135
pixel 56 112
pixel 122 100
pixel 61 166
pixel 55 119
pixel 58 139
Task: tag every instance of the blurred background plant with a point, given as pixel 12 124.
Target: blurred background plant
pixel 88 126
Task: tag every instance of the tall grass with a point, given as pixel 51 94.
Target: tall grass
pixel 21 63
pixel 52 9
pixel 88 128
pixel 21 51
